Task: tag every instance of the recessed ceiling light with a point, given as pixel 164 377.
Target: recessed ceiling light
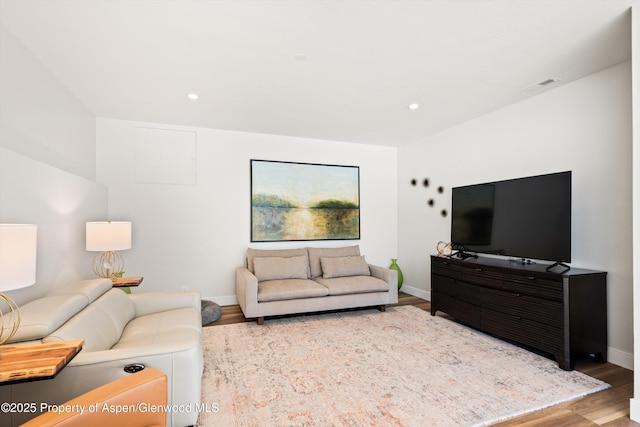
pixel 192 96
pixel 414 106
pixel 300 57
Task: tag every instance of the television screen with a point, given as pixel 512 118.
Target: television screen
pixel 525 217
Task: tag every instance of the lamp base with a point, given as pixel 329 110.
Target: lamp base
pixel 107 264
pixel 9 321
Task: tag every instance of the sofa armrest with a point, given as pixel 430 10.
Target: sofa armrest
pixel 147 388
pixel 154 302
pixel 247 292
pixel 389 276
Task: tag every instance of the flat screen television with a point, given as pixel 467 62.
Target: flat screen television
pixel 527 218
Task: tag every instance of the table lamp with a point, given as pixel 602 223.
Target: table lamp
pixel 108 237
pixel 17 270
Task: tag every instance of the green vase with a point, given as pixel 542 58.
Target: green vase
pixel 394 266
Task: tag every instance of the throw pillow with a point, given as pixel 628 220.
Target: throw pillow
pixel 316 253
pixel 277 268
pixel 344 266
pixel 284 253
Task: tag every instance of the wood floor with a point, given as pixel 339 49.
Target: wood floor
pixel 606 408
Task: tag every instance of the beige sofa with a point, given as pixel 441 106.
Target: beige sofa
pixel 288 281
pixel 160 330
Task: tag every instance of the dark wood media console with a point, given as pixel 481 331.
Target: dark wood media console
pixel 562 314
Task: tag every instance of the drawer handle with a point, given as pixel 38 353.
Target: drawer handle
pixel 518 318
pixel 479 270
pixel 531 277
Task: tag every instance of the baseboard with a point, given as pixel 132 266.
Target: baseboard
pixel 634 407
pixel 426 295
pixel 223 300
pixel 620 358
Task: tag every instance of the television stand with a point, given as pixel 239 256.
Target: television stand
pixel 556 264
pixel 560 314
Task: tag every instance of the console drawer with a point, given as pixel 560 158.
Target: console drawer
pixel 534 286
pixel 461 310
pixel 540 310
pixel 523 331
pixel 444 285
pixel 443 268
pixel 456 288
pixel 481 276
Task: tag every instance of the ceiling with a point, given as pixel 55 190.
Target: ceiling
pixel 328 69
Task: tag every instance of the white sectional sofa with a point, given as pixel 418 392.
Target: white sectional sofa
pixel 160 330
pixel 287 281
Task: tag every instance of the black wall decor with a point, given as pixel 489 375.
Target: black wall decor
pixel 426 183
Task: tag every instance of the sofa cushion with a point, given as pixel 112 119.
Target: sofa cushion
pixel 316 253
pixel 276 268
pixel 41 317
pixel 343 266
pixel 148 329
pixel 278 290
pixel 353 285
pixel 92 289
pixel 282 253
pixel 100 324
pixel 161 341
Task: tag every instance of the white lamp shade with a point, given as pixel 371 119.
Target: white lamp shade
pixel 18 243
pixel 108 236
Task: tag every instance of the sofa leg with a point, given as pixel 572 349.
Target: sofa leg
pixel 382 308
pixel 260 320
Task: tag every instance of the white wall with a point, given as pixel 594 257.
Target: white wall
pixel 196 235
pixel 39 117
pixel 583 126
pixel 47 167
pixel 60 204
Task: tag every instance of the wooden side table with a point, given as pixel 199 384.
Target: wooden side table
pixel 21 363
pixel 124 283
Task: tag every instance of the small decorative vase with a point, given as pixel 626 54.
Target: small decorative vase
pixel 394 266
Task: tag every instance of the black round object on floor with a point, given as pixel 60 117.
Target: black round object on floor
pixel 210 312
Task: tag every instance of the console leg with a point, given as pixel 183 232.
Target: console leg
pixel 260 320
pixel 382 308
pixel 565 364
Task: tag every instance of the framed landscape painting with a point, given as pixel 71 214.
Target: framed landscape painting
pixel 304 201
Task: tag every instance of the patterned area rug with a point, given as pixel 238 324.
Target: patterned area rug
pixel 368 368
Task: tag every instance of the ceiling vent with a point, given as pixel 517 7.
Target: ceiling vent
pixel 540 85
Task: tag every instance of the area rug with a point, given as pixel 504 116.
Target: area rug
pixel 402 367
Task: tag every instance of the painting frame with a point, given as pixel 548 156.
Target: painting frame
pixel 294 201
